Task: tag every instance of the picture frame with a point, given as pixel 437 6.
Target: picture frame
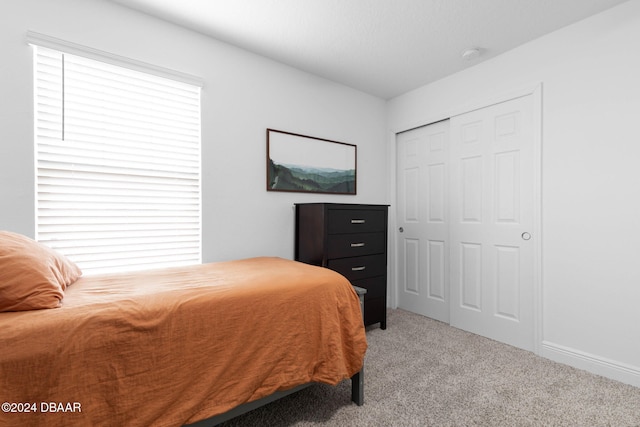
pixel 306 164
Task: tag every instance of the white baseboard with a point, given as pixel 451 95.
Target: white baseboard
pixel 615 370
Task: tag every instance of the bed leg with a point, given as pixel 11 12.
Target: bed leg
pixel 357 388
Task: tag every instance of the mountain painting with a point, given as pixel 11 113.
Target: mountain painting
pixel 312 165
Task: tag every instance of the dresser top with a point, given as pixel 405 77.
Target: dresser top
pixel 343 205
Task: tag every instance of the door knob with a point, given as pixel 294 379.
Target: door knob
pixel 526 236
pixel 401 229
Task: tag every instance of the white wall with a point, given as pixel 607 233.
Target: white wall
pixel 590 74
pixel 243 95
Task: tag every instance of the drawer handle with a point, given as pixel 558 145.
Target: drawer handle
pixel 357 245
pixel 358 268
pixel 358 221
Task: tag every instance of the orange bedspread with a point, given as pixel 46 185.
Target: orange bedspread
pixel 174 346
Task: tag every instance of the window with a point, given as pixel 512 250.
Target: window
pixel 117 164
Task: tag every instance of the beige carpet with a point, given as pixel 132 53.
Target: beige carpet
pixel 420 372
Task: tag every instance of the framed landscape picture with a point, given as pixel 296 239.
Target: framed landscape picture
pixel 306 164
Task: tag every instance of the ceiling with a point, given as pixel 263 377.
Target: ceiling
pixel 382 47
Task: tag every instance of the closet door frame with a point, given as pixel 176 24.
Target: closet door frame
pixel 536 91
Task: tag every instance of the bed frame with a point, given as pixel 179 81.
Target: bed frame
pixel 357 390
pixel 357 396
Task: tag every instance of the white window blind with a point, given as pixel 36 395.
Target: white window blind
pixel 117 164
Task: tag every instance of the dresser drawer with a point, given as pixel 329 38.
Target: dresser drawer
pixel 375 310
pixel 356 221
pixel 376 286
pixel 358 244
pixel 360 267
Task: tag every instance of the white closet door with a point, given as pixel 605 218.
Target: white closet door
pixel 491 222
pixel 423 246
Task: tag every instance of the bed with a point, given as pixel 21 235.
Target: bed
pixel 177 346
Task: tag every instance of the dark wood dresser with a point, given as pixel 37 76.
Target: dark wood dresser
pixel 352 240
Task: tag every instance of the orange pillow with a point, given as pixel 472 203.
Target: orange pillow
pixel 32 276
